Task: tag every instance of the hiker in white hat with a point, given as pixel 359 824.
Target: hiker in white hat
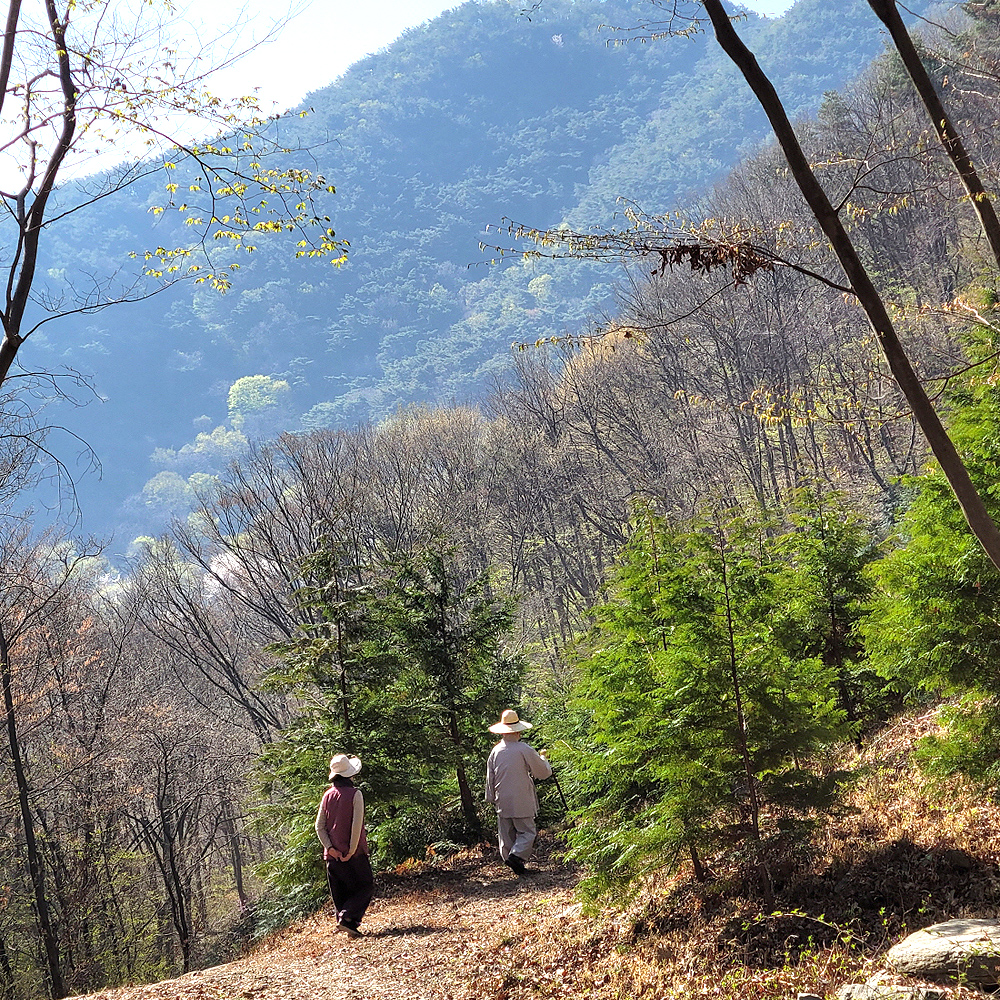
pixel 340 826
pixel 511 771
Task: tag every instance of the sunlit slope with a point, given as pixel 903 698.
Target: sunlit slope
pixel 483 114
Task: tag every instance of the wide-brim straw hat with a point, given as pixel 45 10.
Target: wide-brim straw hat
pixel 509 723
pixel 343 766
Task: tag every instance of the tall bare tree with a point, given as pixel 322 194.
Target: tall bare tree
pixel 78 82
pixel 860 284
pixel 37 575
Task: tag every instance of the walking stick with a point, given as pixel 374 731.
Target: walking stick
pixel 558 786
pixel 560 791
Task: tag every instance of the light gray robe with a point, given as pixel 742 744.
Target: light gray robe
pixel 511 769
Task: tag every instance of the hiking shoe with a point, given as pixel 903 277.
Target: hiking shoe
pixel 352 932
pixel 515 863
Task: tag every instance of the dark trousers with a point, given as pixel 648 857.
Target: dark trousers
pixel 351 886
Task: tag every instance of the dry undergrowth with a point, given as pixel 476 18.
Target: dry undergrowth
pixel 896 859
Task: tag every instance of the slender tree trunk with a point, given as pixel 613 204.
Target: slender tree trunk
pixel 30 220
pixel 741 722
pixel 656 569
pixel 700 871
pixel 464 790
pixel 345 702
pixel 36 870
pixel 887 12
pixel 176 887
pixel 235 850
pixel 834 656
pixel 6 973
pixel 162 837
pixel 976 514
pixel 7 54
pixel 468 803
pixel 763 871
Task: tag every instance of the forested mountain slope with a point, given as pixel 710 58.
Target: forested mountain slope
pixel 482 114
pixel 702 552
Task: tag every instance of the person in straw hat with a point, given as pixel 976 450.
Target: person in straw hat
pixel 340 826
pixel 511 771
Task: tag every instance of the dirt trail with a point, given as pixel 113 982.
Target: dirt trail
pixel 442 934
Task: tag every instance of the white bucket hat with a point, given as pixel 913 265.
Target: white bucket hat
pixel 509 723
pixel 344 766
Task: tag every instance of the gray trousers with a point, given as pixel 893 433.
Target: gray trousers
pixel 517 836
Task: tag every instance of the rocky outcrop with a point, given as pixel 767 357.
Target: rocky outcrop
pixel 966 951
pixel 885 991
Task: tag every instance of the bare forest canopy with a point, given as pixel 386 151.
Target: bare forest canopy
pixel 482 114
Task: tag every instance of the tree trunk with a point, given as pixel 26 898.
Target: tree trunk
pixel 36 870
pixel 976 514
pixel 6 974
pixel 468 804
pixel 345 701
pixel 464 790
pixel 235 851
pixel 741 723
pixel 760 862
pixel 700 871
pixel 30 220
pixel 887 12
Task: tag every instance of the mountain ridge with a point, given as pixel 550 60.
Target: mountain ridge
pixel 475 116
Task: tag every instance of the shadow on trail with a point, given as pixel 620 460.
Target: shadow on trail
pixel 480 874
pixel 411 930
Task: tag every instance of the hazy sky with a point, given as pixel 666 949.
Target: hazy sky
pixel 316 45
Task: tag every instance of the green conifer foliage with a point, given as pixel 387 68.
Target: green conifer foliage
pixel 933 627
pixel 406 670
pixel 828 550
pixel 348 699
pixel 698 705
pixel 444 632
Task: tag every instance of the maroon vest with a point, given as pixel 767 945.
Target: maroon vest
pixel 338 813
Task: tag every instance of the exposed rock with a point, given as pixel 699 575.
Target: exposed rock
pixel 884 991
pixel 966 951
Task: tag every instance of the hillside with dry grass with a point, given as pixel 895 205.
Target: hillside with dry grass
pixel 898 856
